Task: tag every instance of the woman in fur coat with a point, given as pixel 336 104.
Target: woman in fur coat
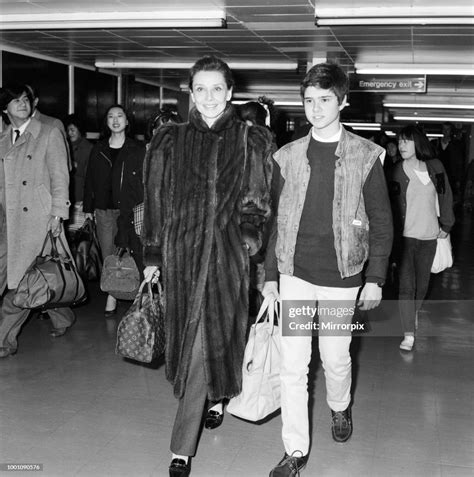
pixel 207 198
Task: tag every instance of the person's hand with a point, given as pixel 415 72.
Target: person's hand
pixel 89 215
pixel 54 225
pixel 442 234
pixel 370 296
pixel 271 288
pixel 151 274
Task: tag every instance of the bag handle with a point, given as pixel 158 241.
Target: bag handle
pixel 140 293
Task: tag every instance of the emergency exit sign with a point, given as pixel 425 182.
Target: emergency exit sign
pixel 389 84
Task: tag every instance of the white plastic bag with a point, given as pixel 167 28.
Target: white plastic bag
pixel 260 394
pixel 444 257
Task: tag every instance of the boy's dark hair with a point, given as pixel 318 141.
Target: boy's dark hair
pixel 327 76
pixel 211 63
pixel 423 148
pixel 14 91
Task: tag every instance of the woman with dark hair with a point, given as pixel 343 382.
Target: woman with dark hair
pixel 113 187
pixel 80 152
pixel 166 114
pixel 253 113
pixel 424 206
pixel 207 197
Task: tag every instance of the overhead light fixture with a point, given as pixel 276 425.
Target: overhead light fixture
pixel 404 13
pixel 435 135
pixel 357 124
pixel 133 19
pixel 428 105
pixel 165 65
pixel 455 119
pixel 415 69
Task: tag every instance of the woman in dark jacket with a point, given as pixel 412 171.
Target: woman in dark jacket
pixel 424 213
pixel 113 187
pixel 207 197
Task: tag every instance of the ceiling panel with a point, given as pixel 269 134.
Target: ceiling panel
pixel 256 29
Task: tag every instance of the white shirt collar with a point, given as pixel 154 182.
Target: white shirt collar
pixel 333 138
pixel 22 128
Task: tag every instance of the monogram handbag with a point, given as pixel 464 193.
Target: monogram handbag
pixel 52 280
pixel 120 277
pixel 141 332
pixel 260 394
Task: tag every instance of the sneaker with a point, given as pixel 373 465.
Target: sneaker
pixel 289 466
pixel 407 343
pixel 341 425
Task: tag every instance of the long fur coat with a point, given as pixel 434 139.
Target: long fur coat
pixel 207 197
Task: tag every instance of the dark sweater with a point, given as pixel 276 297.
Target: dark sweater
pixel 315 258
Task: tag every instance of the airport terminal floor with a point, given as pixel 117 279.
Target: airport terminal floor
pixel 78 409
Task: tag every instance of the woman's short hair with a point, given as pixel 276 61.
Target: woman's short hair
pixel 423 148
pixel 327 76
pixel 14 91
pixel 211 63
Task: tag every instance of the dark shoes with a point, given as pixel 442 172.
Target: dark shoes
pixel 57 332
pixel 341 425
pixel 110 313
pixel 289 466
pixel 213 419
pixel 179 468
pixel 4 352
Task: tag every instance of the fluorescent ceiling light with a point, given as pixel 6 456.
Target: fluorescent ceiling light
pixel 415 69
pixel 354 125
pixel 144 19
pixel 390 133
pixel 456 119
pixel 404 13
pixel 366 128
pixel 428 105
pixel 237 65
pixel 434 135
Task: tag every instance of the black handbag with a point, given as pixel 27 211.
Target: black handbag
pixel 141 332
pixel 85 249
pixel 52 280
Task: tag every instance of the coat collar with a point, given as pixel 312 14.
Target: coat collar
pixel 226 121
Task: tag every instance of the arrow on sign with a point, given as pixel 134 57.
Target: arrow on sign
pixel 419 84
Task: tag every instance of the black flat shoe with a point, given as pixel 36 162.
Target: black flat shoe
pixel 110 313
pixel 213 419
pixel 179 468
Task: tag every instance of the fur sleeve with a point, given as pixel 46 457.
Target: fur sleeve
pixel 154 182
pixel 256 199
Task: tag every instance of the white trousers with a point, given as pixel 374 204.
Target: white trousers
pixel 295 360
